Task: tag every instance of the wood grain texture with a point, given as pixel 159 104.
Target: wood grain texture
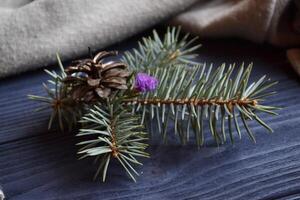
pixel 37 164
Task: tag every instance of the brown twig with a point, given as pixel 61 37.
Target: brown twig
pixel 114 148
pixel 193 101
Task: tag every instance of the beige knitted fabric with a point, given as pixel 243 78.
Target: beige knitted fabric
pixel 31 35
pixel 256 20
pixel 273 21
pixel 31 32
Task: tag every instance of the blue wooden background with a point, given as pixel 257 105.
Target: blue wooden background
pixel 40 164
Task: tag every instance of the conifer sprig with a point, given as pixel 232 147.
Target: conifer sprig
pixel 163 87
pixel 65 110
pixel 156 52
pixel 114 133
pixel 186 96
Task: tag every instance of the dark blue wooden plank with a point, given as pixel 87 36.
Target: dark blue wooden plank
pixel 36 164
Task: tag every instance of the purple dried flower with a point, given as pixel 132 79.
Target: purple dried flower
pixel 144 82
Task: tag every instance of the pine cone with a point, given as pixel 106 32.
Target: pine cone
pixel 94 78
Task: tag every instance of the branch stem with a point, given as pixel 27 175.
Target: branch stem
pixel 193 101
pixel 114 148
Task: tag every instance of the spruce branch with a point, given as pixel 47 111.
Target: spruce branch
pixel 188 95
pixel 162 87
pixel 112 132
pixel 64 109
pixel 156 52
